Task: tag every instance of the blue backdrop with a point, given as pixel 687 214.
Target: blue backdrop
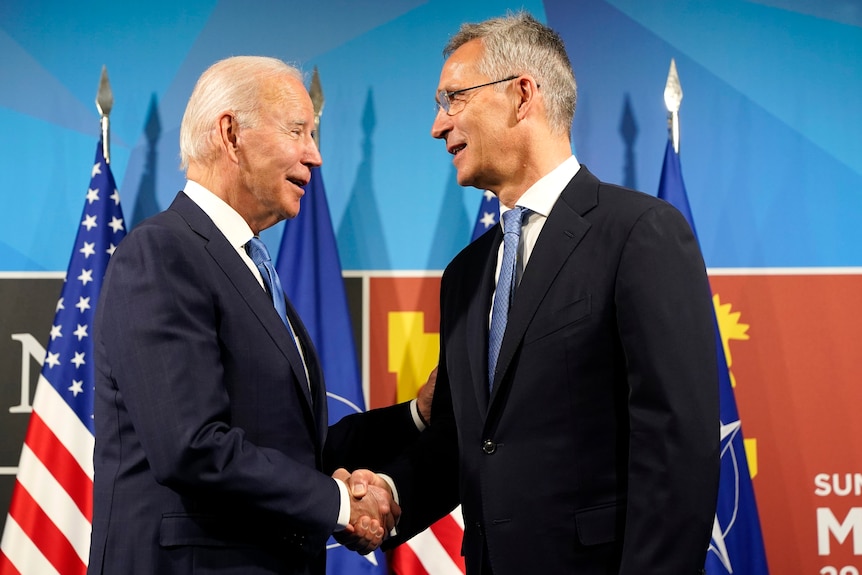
pixel 771 120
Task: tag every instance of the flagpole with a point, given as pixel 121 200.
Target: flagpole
pixel 736 545
pixel 672 100
pixel 104 103
pixel 48 525
pixel 315 91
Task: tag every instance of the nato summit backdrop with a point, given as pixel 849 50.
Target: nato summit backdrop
pixel 771 155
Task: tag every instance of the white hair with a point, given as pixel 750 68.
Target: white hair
pixel 519 44
pixel 231 85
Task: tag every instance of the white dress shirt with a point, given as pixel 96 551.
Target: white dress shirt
pixel 539 199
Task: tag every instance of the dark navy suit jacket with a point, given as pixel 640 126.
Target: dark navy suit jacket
pixel 598 450
pixel 210 439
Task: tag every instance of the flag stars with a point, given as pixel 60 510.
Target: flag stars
pixel 52 359
pixel 489 195
pixel 116 224
pixel 68 359
pixel 81 332
pixel 488 220
pixel 89 222
pixel 85 277
pixel 89 249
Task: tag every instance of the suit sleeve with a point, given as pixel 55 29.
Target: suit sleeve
pixel 426 475
pixel 371 439
pixel 163 339
pixel 666 325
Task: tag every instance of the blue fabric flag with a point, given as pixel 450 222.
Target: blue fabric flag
pixel 488 216
pixel 736 546
pixel 310 272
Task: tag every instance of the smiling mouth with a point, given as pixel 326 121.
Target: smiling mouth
pixel 455 150
pixel 299 183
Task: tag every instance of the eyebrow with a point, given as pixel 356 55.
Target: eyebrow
pixel 291 124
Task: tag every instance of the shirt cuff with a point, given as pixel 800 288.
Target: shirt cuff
pixel 417 419
pixel 391 483
pixel 344 508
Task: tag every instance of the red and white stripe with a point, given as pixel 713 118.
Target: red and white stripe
pixel 435 551
pixel 48 527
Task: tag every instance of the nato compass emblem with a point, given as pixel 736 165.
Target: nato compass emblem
pixel 735 526
pixel 729 431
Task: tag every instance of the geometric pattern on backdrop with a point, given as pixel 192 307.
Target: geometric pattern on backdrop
pixel 797 390
pixel 403 320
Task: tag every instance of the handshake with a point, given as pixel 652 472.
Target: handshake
pixel 373 511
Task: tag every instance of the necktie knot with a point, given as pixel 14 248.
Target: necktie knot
pixel 258 252
pixel 260 256
pixel 512 221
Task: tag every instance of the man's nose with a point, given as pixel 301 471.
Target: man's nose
pixel 312 156
pixel 442 124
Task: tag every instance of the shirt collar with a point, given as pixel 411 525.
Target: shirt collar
pixel 541 196
pixel 225 218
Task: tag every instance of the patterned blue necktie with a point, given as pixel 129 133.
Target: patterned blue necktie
pixel 260 256
pixel 505 287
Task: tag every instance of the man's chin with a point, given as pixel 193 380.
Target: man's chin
pixel 465 179
pixel 290 210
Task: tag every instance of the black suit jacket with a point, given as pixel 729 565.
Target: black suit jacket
pixel 598 449
pixel 209 438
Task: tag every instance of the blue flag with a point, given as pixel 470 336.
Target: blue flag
pixel 48 525
pixel 310 270
pixel 488 216
pixel 736 546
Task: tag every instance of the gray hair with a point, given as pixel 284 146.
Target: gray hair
pixel 230 85
pixel 519 44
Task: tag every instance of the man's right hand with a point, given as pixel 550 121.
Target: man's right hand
pixel 373 513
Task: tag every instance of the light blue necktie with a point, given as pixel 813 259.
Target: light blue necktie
pixel 260 256
pixel 505 287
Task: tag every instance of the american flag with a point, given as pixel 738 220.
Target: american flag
pixel 489 214
pixel 437 550
pixel 48 526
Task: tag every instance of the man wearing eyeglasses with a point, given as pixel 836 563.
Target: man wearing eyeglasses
pixel 588 443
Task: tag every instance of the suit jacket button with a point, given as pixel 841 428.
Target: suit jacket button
pixel 489 447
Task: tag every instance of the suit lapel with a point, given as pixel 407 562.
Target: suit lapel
pixel 240 276
pixel 315 389
pixel 562 232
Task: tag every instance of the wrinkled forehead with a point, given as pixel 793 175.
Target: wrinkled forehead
pixel 285 99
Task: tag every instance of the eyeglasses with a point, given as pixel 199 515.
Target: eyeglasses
pixel 444 98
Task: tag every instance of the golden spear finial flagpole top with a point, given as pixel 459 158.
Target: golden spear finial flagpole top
pixel 672 100
pixel 104 103
pixel 317 100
